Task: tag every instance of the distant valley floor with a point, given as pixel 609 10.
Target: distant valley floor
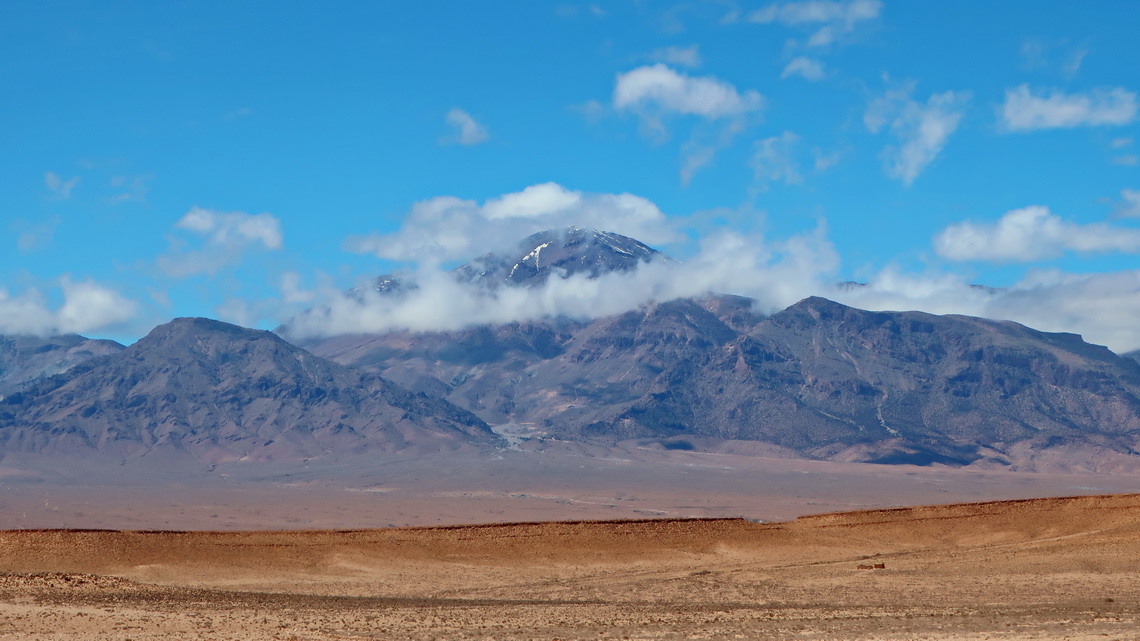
pixel 464 487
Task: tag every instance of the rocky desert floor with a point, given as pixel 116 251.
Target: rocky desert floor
pixel 1054 568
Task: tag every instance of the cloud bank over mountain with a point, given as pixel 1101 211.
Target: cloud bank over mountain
pixel 774 271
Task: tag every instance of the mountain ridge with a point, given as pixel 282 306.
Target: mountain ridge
pixel 817 380
pixel 220 391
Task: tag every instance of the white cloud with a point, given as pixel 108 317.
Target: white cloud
pixel 657 89
pixel 1025 111
pixel 656 92
pixel 60 188
pixel 773 159
pixel 446 228
pixel 1029 234
pixel 825 161
pixel 31 237
pixel 1103 308
pixel 920 129
pixel 465 130
pixel 775 273
pixel 591 110
pixel 226 228
pixel 682 56
pixel 1120 143
pixel 1127 160
pixel 830 19
pixel 1061 55
pixel 699 150
pixel 291 290
pixel 132 188
pixel 804 67
pixel 226 236
pixel 1073 63
pixel 1129 203
pixel 87 306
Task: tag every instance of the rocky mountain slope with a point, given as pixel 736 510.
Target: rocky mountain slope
pixel 219 391
pixel 24 359
pixel 819 380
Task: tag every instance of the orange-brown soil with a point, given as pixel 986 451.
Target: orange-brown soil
pixel 1033 569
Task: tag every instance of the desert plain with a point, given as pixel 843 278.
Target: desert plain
pixel 1045 568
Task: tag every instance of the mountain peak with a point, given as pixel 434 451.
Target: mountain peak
pixel 565 252
pixel 199 327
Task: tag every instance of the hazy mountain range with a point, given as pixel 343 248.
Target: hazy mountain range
pixel 817 380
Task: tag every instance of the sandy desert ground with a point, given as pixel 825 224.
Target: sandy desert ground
pixel 1029 569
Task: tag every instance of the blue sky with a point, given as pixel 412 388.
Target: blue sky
pixel 247 160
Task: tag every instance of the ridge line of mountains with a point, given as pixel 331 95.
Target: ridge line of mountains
pixel 817 380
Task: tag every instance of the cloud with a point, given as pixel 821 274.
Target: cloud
pixel 829 19
pixel 465 130
pixel 1129 204
pixel 1030 234
pixel 681 56
pixel 291 290
pixel 1073 63
pixel 655 90
pixel 226 228
pixel 804 67
pixel 655 93
pixel 133 188
pixel 1120 143
pixel 921 130
pixel 825 161
pixel 31 237
pixel 87 306
pixel 776 273
pixel 225 237
pixel 1103 308
pixel 773 159
pixel 1127 160
pixel 60 188
pixel 446 228
pixel 699 151
pixel 1039 53
pixel 1025 111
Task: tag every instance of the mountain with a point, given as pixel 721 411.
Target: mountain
pixel 561 252
pixel 565 252
pixel 24 359
pixel 1134 355
pixel 818 380
pixel 219 391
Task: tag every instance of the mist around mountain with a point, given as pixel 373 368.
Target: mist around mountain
pixel 560 253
